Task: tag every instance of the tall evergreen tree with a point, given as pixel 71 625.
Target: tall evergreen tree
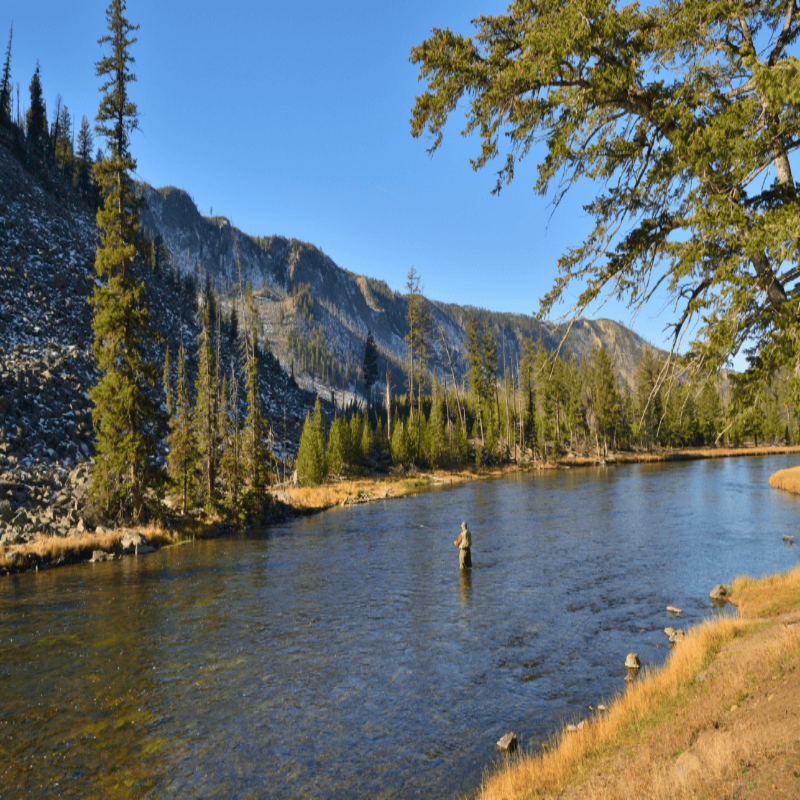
pixel 475 374
pixel 205 412
pixel 415 338
pixel 36 117
pixel 83 161
pixel 311 452
pixel 124 413
pixel 62 140
pixel 370 369
pixel 5 82
pixel 254 429
pixel 181 450
pixel 230 461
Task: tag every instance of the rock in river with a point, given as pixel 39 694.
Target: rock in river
pixel 507 744
pixel 632 661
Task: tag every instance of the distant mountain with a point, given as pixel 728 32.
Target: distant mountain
pixel 308 303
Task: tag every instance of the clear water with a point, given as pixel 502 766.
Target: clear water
pixel 345 655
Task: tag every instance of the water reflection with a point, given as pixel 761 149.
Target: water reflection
pixel 346 655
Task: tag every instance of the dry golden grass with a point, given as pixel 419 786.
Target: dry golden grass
pixel 53 548
pixel 767 597
pixel 640 706
pixel 670 736
pixel 786 479
pixel 333 493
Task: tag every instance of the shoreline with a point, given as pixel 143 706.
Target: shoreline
pixel 47 552
pixel 719 715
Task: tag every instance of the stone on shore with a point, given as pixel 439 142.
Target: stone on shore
pixel 131 542
pixel 675 635
pixel 632 661
pixel 719 594
pixel 507 744
pixel 100 555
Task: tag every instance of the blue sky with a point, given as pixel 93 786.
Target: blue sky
pixel 293 118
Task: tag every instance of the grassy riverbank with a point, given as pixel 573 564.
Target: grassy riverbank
pixel 720 718
pixel 786 479
pixel 50 551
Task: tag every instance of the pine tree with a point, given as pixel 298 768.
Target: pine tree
pixel 370 369
pixel 124 413
pixel 490 365
pixel 253 450
pixel 605 394
pixel 311 452
pixel 205 413
pixel 83 161
pixel 5 83
pixel 476 374
pixel 337 453
pixel 36 117
pixel 182 454
pixel 366 441
pixel 230 471
pixel 62 140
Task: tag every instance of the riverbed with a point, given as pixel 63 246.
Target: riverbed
pixel 346 656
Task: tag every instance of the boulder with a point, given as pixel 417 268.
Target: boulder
pixel 6 512
pixel 507 744
pixel 719 594
pixel 131 541
pixel 675 635
pixel 11 538
pixel 673 610
pixel 632 661
pixel 13 558
pixel 100 555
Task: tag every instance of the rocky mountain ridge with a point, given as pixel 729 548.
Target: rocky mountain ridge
pixel 304 294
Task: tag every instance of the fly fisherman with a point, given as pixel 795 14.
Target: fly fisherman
pixel 464 543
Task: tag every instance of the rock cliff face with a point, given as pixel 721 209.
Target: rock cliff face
pixel 304 295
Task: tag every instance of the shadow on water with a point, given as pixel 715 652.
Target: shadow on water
pixel 346 655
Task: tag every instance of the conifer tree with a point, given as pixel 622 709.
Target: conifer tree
pixel 605 394
pixel 415 338
pixel 475 375
pixel 490 365
pixel 205 412
pixel 124 413
pixel 5 83
pixel 36 117
pixel 338 446
pixel 62 140
pixel 182 454
pixel 254 429
pixel 83 161
pixel 366 441
pixel 370 369
pixel 311 452
pixel 230 470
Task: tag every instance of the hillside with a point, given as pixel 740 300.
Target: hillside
pixel 305 296
pixel 47 251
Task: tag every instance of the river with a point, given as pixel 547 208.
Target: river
pixel 345 656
